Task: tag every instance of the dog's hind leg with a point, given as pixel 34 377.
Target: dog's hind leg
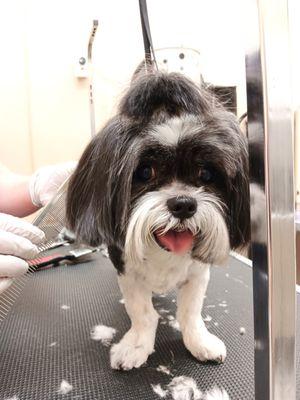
pixel 138 343
pixel 197 339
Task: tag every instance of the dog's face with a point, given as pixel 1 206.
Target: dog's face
pixel 169 172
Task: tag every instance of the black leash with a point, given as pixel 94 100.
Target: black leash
pixel 148 45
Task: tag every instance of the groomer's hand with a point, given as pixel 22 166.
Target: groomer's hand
pixel 18 240
pixel 45 182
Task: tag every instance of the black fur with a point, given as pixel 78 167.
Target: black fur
pixel 116 257
pixel 166 94
pixel 100 189
pixel 103 188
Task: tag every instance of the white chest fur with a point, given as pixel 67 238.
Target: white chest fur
pixel 160 270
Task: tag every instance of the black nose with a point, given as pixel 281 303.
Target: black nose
pixel 182 207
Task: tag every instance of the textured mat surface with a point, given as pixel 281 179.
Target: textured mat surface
pixel 43 343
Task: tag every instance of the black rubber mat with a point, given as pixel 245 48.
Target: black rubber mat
pixel 43 343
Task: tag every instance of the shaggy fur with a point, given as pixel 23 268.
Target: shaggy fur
pixel 170 140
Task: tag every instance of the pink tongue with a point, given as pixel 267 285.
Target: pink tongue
pixel 178 242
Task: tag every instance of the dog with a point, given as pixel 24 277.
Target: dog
pixel 165 186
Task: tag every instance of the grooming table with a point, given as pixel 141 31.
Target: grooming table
pixel 43 343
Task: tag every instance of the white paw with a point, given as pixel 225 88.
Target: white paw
pixel 205 346
pixel 128 354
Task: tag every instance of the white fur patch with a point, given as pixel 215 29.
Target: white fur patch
pixel 197 339
pixel 180 388
pixel 130 355
pixel 170 317
pixel 151 213
pixel 174 129
pixel 13 398
pixel 217 394
pixel 65 387
pixel 163 311
pixel 163 369
pixel 159 390
pixel 184 388
pixel 104 251
pixel 103 334
pixel 170 132
pixel 174 324
pixel 65 307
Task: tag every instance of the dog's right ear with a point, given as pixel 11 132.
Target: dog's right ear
pixel 99 191
pixel 81 196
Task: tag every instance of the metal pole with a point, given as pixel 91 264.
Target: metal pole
pixel 91 97
pixel 271 152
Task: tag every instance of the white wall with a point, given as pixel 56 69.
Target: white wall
pixel 15 144
pixel 45 108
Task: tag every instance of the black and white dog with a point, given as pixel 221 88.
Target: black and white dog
pixel 165 186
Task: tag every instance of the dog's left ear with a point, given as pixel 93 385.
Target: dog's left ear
pixel 239 200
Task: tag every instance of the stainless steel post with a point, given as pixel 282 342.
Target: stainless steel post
pixel 271 151
pixel 91 97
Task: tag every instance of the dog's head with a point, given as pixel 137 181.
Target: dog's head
pixel 169 170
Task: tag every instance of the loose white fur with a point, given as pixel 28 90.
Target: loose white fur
pixel 104 334
pixel 173 323
pixel 159 391
pixel 184 388
pixel 163 311
pixel 150 269
pixel 180 388
pixel 65 387
pixel 216 394
pixel 163 369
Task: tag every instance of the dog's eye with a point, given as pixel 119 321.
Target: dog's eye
pixel 207 174
pixel 144 173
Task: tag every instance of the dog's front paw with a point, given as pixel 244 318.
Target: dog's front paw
pixel 205 346
pixel 128 354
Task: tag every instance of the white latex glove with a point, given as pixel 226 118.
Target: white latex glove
pixel 18 240
pixel 45 182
